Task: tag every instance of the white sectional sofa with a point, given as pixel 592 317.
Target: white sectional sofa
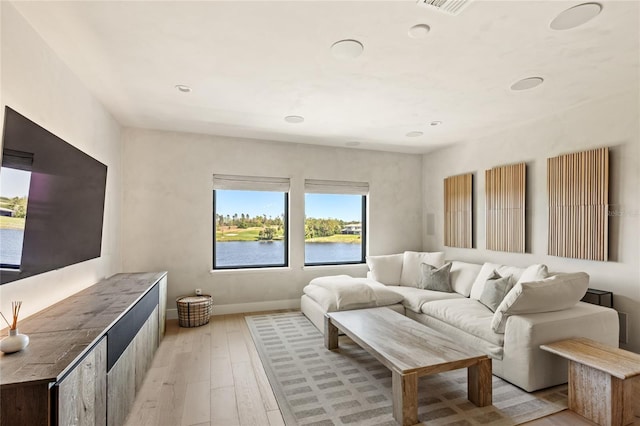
pixel 540 308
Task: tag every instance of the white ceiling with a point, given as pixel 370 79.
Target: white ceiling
pixel 250 64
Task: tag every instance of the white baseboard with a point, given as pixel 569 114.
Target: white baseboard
pixel 238 308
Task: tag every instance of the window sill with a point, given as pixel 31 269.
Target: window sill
pixel 250 270
pixel 341 266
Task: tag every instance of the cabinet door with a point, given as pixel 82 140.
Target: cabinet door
pixel 121 390
pixel 146 343
pixel 82 393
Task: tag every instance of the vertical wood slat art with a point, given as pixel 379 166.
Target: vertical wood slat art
pixel 578 191
pixel 458 211
pixel 505 189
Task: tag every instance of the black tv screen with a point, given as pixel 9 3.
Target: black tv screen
pixel 51 201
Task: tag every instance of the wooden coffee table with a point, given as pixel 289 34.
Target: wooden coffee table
pixel 410 350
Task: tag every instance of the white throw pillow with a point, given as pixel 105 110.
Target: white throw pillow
pixel 411 272
pixel 552 294
pixel 386 269
pixel 537 272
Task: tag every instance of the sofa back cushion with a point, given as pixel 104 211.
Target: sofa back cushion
pixel 556 293
pixel 536 272
pixel 411 272
pixel 386 269
pixel 462 276
pixel 486 271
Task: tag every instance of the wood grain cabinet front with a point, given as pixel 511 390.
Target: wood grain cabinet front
pixel 127 374
pixel 81 394
pixel 146 343
pixel 121 387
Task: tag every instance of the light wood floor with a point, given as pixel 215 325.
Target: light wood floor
pixel 212 375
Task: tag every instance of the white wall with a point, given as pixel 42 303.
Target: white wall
pixel 612 122
pixel 167 220
pixel 38 85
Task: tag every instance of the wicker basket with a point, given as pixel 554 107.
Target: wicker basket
pixel 194 311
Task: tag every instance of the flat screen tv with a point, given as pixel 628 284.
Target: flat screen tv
pixel 51 201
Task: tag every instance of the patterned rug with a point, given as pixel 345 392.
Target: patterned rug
pixel 314 386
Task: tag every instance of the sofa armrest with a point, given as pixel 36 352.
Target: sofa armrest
pixel 534 368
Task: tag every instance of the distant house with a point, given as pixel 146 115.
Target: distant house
pixel 354 228
pixel 6 212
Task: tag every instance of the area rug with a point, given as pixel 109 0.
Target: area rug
pixel 318 387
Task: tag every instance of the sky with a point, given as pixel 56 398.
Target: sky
pixel 254 203
pixel 14 183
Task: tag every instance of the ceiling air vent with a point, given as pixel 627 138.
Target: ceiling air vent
pixel 451 7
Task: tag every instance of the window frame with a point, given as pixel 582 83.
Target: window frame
pixel 363 238
pixel 241 267
pixel 16 160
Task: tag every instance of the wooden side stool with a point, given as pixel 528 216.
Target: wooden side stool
pixel 602 380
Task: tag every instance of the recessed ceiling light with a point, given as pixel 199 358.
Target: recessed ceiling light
pixel 576 16
pixel 419 31
pixel 346 49
pixel 435 123
pixel 183 88
pixel 294 119
pixel 414 134
pixel 527 83
pixel 352 143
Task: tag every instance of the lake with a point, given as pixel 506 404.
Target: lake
pixel 11 246
pixel 258 253
pixel 230 253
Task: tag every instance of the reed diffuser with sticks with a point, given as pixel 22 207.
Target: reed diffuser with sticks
pixel 15 341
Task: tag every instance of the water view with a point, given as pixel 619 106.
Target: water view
pixel 11 246
pixel 260 253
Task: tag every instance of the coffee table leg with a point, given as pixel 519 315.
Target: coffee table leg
pixel 405 398
pixel 330 334
pixel 479 387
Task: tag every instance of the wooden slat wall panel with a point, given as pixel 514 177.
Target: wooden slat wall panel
pixel 505 190
pixel 458 211
pixel 578 191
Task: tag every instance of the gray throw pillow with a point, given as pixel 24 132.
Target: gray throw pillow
pixel 495 289
pixel 436 279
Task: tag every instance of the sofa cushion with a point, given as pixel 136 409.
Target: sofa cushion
pixel 386 269
pixel 414 298
pixel 556 293
pixel 384 296
pixel 467 315
pixel 462 276
pixel 487 270
pixel 436 279
pixel 495 289
pixel 342 292
pixel 410 276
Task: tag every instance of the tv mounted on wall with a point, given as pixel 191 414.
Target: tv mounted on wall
pixel 51 201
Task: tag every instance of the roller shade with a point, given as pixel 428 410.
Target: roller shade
pixel 17 159
pixel 335 187
pixel 251 183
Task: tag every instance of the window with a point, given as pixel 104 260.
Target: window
pixel 250 222
pixel 15 178
pixel 335 222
